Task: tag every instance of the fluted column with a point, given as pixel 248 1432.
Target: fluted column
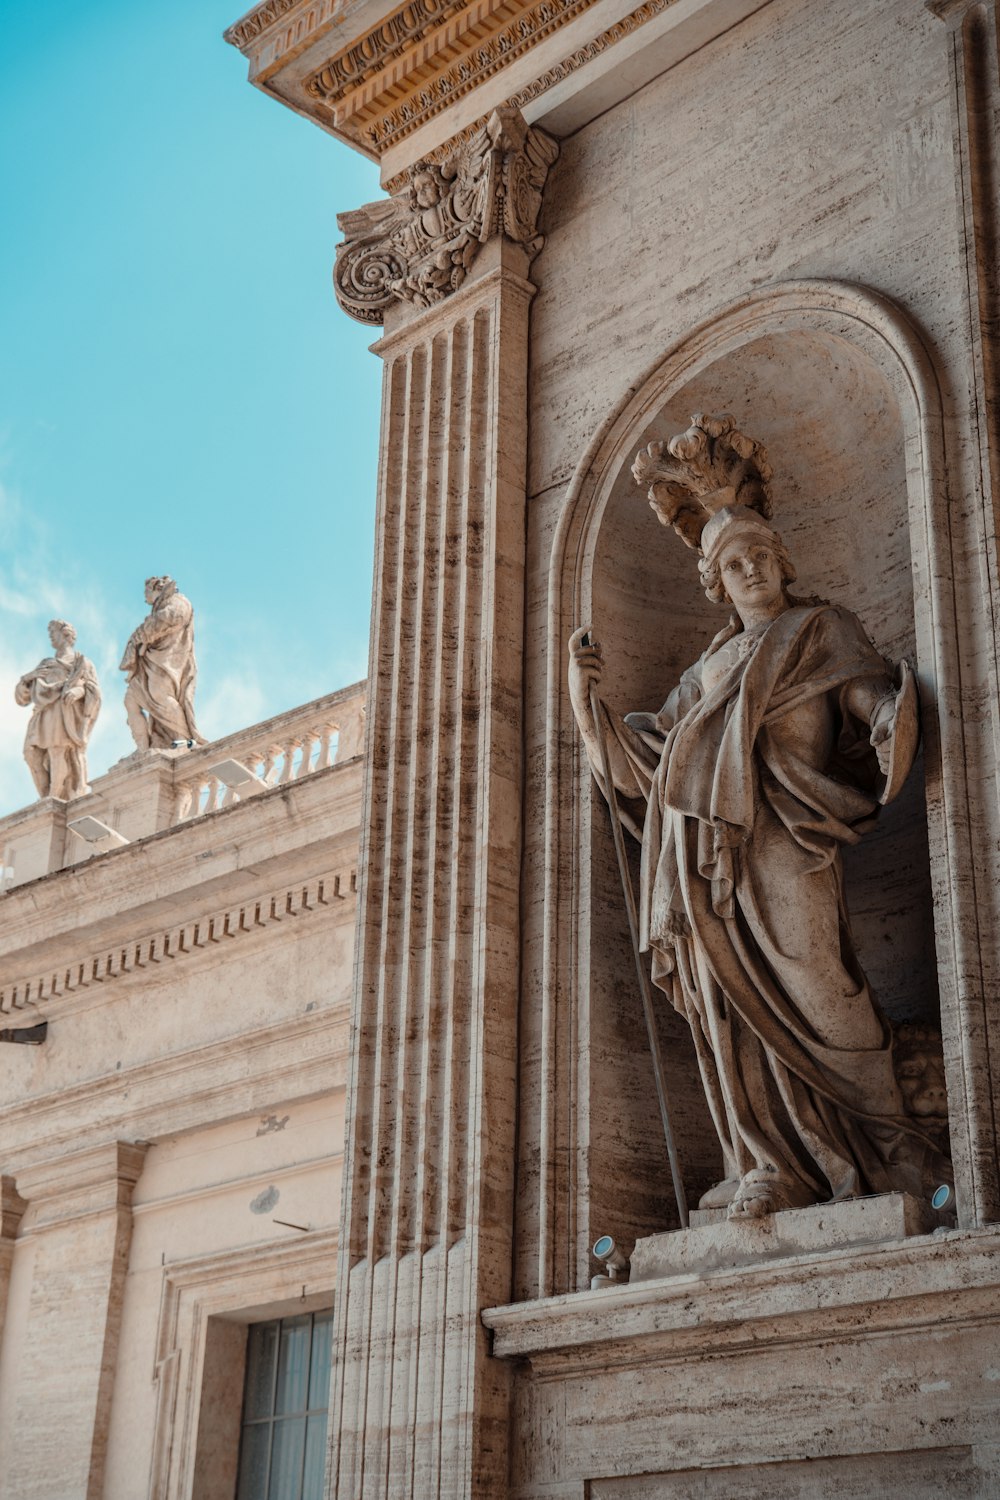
pixel 419 1409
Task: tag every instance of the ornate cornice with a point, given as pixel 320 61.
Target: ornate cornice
pixel 249 27
pixel 373 52
pixel 552 76
pixel 380 87
pixel 418 245
pixel 153 950
pixel 381 127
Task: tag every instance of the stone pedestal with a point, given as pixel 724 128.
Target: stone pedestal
pixel 33 842
pixel 864 1370
pixel 715 1242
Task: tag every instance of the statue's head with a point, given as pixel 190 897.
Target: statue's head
pixel 61 633
pixel 732 541
pixel 712 485
pixel 155 587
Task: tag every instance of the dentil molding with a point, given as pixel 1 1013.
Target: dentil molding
pixel 165 945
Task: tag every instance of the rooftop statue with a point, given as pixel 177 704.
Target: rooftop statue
pixel 160 663
pixel 65 699
pixel 775 749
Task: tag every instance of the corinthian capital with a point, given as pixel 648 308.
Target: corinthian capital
pixel 418 245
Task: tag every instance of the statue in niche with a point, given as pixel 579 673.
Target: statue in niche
pixel 775 749
pixel 161 669
pixel 65 698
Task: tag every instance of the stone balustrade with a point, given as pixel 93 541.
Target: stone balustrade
pixel 152 790
pixel 278 752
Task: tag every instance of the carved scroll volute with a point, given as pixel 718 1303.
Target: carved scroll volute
pixel 418 245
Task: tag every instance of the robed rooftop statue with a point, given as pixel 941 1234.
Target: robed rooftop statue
pixel 65 700
pixel 161 671
pixel 774 750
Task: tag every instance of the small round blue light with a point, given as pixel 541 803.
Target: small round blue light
pixel 942 1197
pixel 604 1246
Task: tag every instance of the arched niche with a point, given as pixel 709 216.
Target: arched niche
pixel 834 430
pixel 838 386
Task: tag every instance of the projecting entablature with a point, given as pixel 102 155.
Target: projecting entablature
pixel 402 83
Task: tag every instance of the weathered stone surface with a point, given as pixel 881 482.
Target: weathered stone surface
pixel 428 1212
pixel 76 1230
pixel 196 986
pixel 709 1246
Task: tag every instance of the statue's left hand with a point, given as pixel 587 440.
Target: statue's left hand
pixel 75 693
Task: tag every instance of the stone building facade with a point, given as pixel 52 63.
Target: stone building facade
pixel 170 1152
pixel 602 218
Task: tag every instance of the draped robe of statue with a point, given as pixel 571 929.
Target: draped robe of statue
pixel 55 742
pixel 754 774
pixel 160 661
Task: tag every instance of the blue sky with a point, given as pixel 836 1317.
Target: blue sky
pixel 179 391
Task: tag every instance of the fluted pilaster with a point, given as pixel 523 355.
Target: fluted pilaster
pixel 974 1030
pixel 419 1408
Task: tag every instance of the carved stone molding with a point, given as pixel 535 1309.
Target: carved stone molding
pixel 547 80
pixel 385 87
pixel 414 64
pixel 12 1207
pixel 374 51
pixel 245 31
pixel 418 245
pixel 211 1286
pixel 156 948
pixel 98 1179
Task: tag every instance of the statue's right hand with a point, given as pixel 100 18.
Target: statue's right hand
pixel 586 665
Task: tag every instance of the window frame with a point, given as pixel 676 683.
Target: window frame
pixel 273 1417
pixel 250 1285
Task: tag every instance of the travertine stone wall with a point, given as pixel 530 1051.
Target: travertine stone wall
pixel 429 1208
pixel 196 987
pixel 672 225
pixel 79 1213
pixel 869 1373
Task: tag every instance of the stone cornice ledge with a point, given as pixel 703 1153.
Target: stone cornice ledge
pixel 223 857
pixel 926 1281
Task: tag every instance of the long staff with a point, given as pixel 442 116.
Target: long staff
pixel 640 968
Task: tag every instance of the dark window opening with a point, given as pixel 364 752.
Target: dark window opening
pixel 285 1399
